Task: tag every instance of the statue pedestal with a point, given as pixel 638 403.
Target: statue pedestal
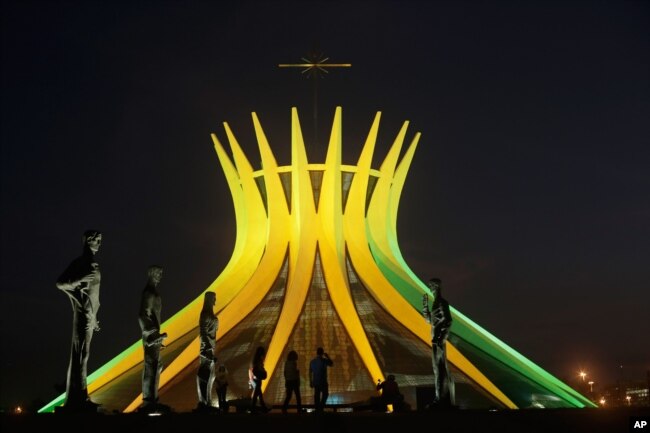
pixel 154 409
pixel 424 395
pixel 88 407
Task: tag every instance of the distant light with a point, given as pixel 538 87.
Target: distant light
pixel 155 414
pixel 602 401
pixel 18 410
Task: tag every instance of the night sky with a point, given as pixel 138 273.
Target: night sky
pixel 529 193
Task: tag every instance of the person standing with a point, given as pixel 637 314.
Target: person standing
pixel 440 319
pixel 256 375
pixel 208 324
pixel 318 378
pixel 152 339
pixel 80 282
pixel 292 381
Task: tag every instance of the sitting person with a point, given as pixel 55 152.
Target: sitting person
pixel 390 394
pixel 221 379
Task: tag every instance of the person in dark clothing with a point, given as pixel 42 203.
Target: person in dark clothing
pixel 221 380
pixel 208 325
pixel 318 378
pixel 390 394
pixel 152 339
pixel 292 381
pixel 256 375
pixel 440 319
pixel 80 282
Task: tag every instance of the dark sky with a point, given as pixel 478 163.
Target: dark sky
pixel 529 194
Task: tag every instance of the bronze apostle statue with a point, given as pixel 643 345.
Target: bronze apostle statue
pixel 80 281
pixel 152 339
pixel 208 325
pixel 439 317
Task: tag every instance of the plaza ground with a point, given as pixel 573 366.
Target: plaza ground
pixel 457 421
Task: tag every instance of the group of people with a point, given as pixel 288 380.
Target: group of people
pixel 317 380
pixel 81 282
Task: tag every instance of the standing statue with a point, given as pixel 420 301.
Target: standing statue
pixel 152 339
pixel 208 324
pixel 80 281
pixel 439 317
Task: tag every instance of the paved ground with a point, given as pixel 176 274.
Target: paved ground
pixel 458 421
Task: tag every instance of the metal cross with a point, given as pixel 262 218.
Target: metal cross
pixel 314 67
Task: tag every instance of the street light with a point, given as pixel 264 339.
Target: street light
pixel 629 399
pixel 591 386
pixel 583 375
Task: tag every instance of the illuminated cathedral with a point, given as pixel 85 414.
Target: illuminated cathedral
pixel 316 262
